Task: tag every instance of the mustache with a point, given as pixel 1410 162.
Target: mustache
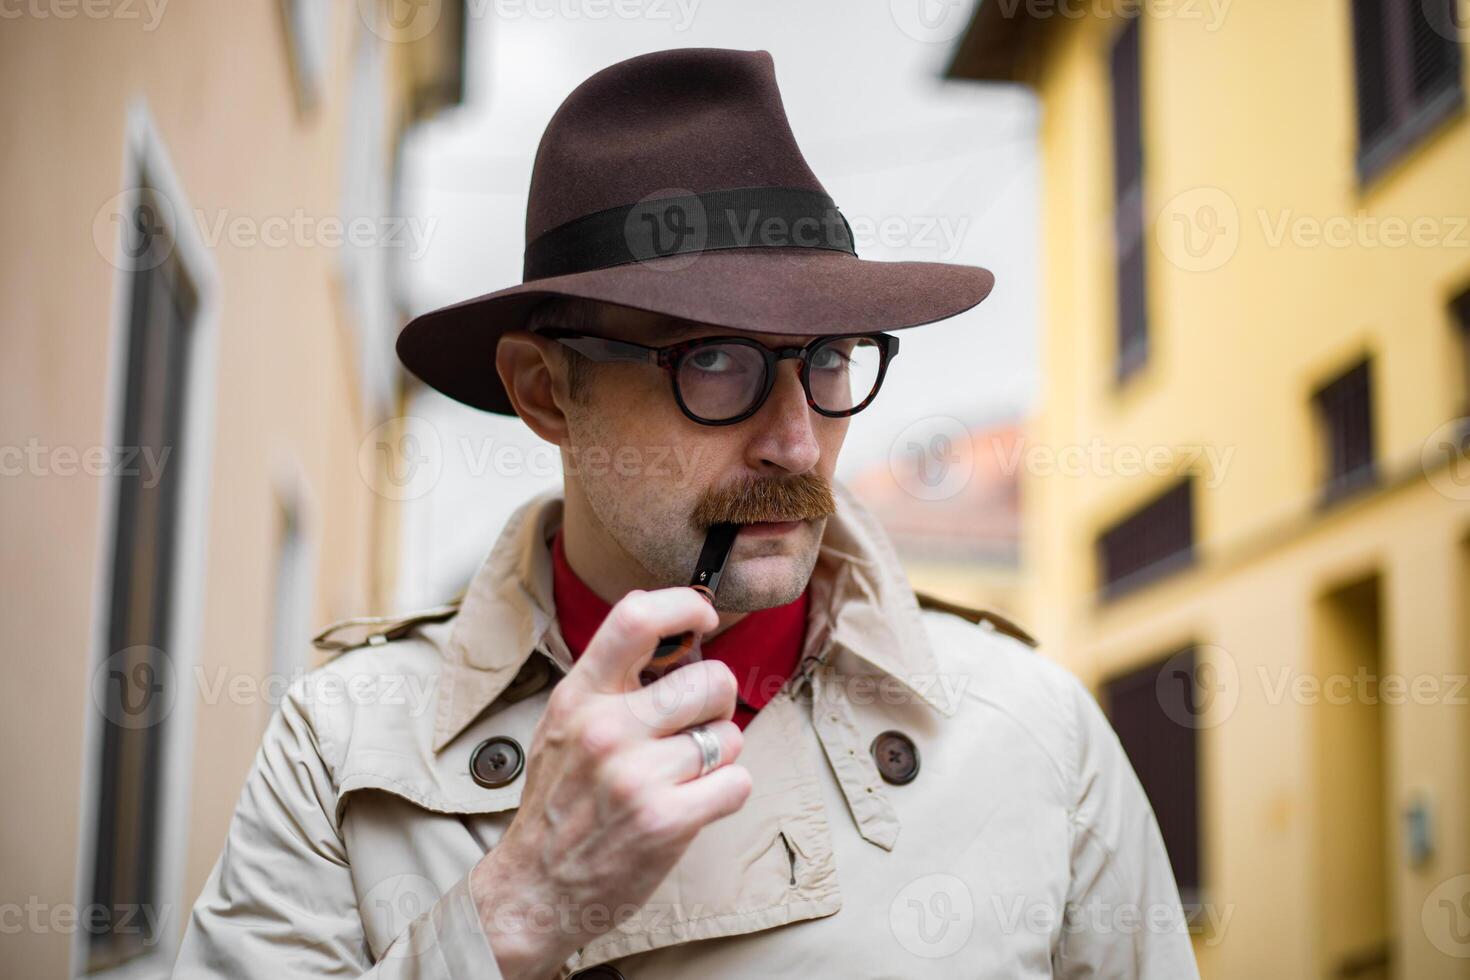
pixel 756 499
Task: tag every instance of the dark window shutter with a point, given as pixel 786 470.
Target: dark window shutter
pixel 1152 541
pixel 1436 56
pixel 1128 216
pixel 1150 709
pixel 1372 70
pixel 1406 58
pixel 1345 407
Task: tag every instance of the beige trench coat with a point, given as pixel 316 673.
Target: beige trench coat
pixel 1023 848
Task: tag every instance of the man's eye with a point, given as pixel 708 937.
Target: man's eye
pixel 829 359
pixel 714 360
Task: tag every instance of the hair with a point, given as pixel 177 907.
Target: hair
pixel 570 313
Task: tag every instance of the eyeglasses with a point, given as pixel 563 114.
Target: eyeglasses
pixel 724 380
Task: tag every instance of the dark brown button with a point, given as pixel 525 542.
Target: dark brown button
pixel 897 757
pixel 497 761
pixel 600 972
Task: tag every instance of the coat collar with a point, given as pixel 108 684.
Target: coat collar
pixel 861 601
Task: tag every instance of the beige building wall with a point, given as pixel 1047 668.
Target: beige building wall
pixel 1307 773
pixel 290 379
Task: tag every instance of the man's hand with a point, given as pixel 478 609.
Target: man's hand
pixel 613 794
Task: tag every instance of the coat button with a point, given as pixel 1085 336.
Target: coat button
pixel 897 757
pixel 599 972
pixel 497 761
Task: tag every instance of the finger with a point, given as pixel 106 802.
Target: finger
pixel 702 691
pixel 676 758
pixel 625 641
pixel 710 797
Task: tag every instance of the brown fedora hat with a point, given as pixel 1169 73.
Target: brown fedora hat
pixel 672 183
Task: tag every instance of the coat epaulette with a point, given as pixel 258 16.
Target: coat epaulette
pixel 348 634
pixel 980 617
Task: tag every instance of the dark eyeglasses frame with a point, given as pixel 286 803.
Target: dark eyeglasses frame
pixel 606 349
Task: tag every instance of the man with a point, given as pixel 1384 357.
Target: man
pixel 846 783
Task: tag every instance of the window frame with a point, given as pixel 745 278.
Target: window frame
pixel 146 163
pixel 1334 486
pixel 1410 116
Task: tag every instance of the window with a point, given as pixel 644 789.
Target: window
pixel 294 583
pixel 1460 310
pixel 1155 711
pixel 1407 60
pixel 1345 414
pixel 308 26
pixel 138 672
pixel 1128 222
pixel 1153 541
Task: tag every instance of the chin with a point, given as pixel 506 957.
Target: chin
pixel 762 581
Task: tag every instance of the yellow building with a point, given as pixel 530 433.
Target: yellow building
pixel 197 340
pixel 1256 269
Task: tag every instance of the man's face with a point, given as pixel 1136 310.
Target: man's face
pixel 655 478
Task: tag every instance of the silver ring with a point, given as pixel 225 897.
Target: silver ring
pixel 709 748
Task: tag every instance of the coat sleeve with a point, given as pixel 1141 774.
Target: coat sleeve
pixel 1123 918
pixel 280 901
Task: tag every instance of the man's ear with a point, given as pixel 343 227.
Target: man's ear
pixel 535 381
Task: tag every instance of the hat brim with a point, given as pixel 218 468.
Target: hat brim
pixel 764 290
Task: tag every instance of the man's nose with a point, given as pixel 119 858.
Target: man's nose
pixel 784 436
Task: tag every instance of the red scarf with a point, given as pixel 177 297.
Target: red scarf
pixel 762 649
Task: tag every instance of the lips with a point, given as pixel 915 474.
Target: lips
pixel 770 528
